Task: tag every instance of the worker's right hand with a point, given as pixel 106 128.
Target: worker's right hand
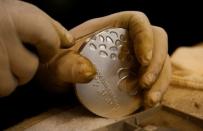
pixel 22 23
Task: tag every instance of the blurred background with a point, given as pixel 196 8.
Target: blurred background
pixel 182 21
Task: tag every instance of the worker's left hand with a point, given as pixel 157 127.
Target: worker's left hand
pixel 150 46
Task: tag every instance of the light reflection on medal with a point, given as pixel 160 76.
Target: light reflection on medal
pixel 103 95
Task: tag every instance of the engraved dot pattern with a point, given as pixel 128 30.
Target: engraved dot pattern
pixel 108 43
pixel 103 91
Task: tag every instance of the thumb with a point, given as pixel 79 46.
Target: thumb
pixel 71 67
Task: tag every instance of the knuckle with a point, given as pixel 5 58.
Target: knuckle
pixel 136 17
pixel 147 80
pixel 140 14
pixel 161 30
pixel 137 13
pixel 50 38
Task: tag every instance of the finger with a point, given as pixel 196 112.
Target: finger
pixel 136 22
pixel 8 83
pixel 129 85
pixel 154 95
pixel 160 51
pixel 66 38
pixel 23 63
pixel 74 68
pixel 34 28
pixel 141 36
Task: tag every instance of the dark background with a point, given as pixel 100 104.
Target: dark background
pixel 182 21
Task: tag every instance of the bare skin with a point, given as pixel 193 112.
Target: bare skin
pixel 22 23
pixel 56 67
pixel 149 49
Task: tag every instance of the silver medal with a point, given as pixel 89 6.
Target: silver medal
pixel 102 95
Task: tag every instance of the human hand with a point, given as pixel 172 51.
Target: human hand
pixel 22 23
pixel 149 48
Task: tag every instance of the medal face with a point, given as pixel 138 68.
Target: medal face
pixel 103 95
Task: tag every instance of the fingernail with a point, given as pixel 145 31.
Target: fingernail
pixel 147 80
pixel 146 59
pixel 155 98
pixel 86 72
pixel 70 38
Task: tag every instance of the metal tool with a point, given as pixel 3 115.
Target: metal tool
pixel 160 118
pixel 102 95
